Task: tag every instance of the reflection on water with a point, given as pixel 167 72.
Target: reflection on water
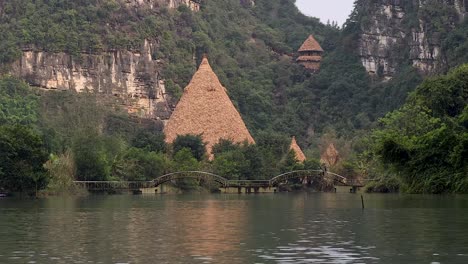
pixel 281 228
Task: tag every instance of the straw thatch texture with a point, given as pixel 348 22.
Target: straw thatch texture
pixel 310 54
pixel 297 150
pixel 310 45
pixel 205 109
pixel 331 156
pixel 312 66
pixel 309 58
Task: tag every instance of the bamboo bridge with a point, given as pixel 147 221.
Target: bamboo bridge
pixel 306 176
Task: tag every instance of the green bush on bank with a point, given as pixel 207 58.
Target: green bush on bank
pixel 426 141
pixel 22 156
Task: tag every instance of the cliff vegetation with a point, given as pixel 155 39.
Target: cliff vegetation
pixel 424 144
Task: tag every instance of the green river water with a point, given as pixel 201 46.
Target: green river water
pixel 231 229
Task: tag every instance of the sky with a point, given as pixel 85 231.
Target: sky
pixel 333 10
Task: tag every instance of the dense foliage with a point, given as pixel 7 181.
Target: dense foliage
pixel 192 142
pixel 426 141
pixel 60 137
pixel 252 50
pixel 22 151
pixel 17 103
pixel 22 156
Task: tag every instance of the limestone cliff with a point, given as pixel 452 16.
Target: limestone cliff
pixel 194 5
pixel 131 75
pixel 394 32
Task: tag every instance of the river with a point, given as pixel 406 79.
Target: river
pixel 231 229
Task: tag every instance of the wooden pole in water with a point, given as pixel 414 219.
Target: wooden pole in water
pixel 362 201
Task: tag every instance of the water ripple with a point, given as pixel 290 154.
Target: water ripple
pixel 319 228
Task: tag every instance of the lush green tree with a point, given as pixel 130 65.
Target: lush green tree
pixel 243 161
pixel 256 165
pixel 140 165
pixel 149 141
pixel 185 161
pixel 192 142
pixel 18 102
pixel 119 123
pixel 22 156
pixel 232 164
pixel 224 145
pixel 424 142
pixel 91 161
pixel 290 163
pixel 312 164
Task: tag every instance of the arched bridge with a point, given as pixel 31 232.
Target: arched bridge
pixel 198 175
pixel 224 183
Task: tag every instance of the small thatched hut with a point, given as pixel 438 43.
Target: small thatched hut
pixel 310 54
pixel 331 156
pixel 297 150
pixel 205 109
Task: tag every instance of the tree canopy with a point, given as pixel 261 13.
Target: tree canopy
pixel 426 141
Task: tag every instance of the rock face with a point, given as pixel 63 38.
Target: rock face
pixel 392 26
pixel 194 5
pixel 133 75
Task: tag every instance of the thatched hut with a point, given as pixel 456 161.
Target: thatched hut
pixel 294 147
pixel 331 156
pixel 310 54
pixel 205 109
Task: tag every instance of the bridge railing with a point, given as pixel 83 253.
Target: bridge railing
pixel 335 176
pixel 113 185
pixel 247 183
pixel 293 175
pixel 200 175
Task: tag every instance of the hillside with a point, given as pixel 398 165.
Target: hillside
pixel 135 57
pixel 149 52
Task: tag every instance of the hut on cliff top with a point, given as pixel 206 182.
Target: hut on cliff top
pixel 297 150
pixel 205 109
pixel 310 54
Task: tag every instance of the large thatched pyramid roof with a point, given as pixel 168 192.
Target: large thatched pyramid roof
pixel 297 150
pixel 310 44
pixel 205 108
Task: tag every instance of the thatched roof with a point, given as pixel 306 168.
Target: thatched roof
pixel 297 150
pixel 310 45
pixel 309 58
pixel 205 108
pixel 331 156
